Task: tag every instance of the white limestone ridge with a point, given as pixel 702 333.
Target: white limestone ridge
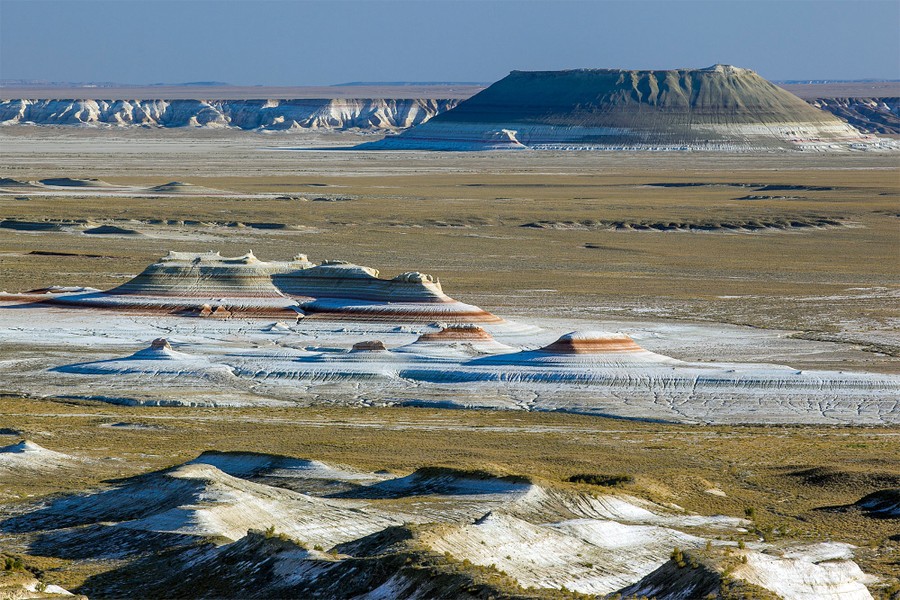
pixel 266 115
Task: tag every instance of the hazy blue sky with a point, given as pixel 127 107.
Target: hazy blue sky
pixel 298 42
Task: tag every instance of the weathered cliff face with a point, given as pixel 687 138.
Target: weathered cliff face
pixel 372 114
pixel 869 115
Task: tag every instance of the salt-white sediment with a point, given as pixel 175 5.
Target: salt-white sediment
pixel 76 187
pixel 588 372
pixel 542 537
pixel 610 555
pixel 157 359
pixel 340 324
pixel 805 578
pixel 24 586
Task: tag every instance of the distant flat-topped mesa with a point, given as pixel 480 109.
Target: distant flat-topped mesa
pixel 210 285
pixel 718 108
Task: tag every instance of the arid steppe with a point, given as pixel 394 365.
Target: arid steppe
pixel 787 258
pixel 593 234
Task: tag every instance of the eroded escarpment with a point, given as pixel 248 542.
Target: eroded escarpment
pixel 265 115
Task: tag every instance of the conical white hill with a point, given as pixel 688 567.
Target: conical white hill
pixel 580 349
pixel 157 359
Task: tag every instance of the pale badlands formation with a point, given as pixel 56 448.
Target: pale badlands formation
pixel 869 115
pixel 263 115
pixel 722 108
pixel 262 526
pixel 211 285
pixel 233 331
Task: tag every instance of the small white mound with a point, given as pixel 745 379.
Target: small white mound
pixel 217 504
pixel 28 458
pixel 456 341
pixel 161 349
pixel 245 464
pixel 181 188
pixel 157 359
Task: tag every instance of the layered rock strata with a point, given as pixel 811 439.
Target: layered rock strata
pixel 718 108
pixel 209 285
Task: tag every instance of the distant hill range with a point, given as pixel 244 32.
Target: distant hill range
pixel 718 108
pixel 872 107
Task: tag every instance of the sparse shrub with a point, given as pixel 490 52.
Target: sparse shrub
pixel 599 479
pixel 13 563
pixel 319 548
pixel 677 557
pixel 750 512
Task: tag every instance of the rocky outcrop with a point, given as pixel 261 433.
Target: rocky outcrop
pixel 267 115
pixel 210 285
pixel 720 108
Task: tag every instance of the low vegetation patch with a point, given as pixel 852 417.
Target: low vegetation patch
pixel 598 479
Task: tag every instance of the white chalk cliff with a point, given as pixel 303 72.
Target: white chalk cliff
pixel 267 115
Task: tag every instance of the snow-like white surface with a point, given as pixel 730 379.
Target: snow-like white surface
pixel 805 577
pixel 103 355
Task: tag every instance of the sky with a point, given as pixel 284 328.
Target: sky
pixel 323 42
